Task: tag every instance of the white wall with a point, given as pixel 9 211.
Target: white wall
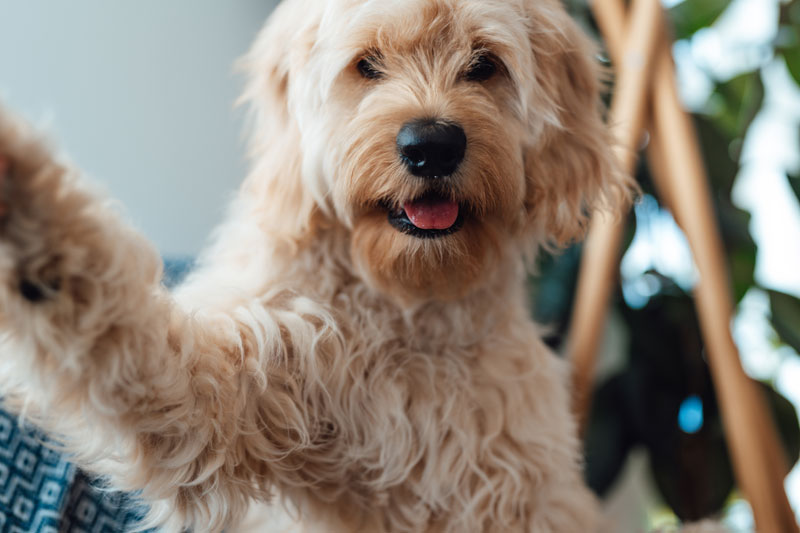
pixel 140 94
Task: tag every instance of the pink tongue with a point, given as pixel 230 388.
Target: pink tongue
pixel 432 214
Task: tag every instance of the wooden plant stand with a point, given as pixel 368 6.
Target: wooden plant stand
pixel 646 95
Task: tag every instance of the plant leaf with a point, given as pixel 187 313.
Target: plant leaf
pixel 735 104
pixel 785 418
pixel 794 183
pixel 692 15
pixel 608 436
pixel 792 58
pixel 722 170
pixel 740 248
pixel 786 317
pixel 715 144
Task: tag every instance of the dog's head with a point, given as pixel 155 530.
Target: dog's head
pixel 442 133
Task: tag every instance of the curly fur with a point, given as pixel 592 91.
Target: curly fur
pixel 357 378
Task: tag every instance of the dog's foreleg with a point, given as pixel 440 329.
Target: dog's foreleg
pixel 93 348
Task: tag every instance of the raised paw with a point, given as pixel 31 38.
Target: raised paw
pixel 59 243
pixel 32 214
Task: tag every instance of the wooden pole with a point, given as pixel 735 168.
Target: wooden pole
pixel 758 458
pixel 612 21
pixel 601 250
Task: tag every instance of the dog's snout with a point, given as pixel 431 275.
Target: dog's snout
pixel 430 148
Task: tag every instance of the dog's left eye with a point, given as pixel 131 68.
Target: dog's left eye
pixel 482 68
pixel 368 69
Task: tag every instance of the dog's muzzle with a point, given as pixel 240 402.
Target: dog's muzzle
pixel 432 150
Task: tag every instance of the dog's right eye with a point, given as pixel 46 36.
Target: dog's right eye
pixel 366 67
pixel 483 67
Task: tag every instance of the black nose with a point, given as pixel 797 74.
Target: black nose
pixel 431 149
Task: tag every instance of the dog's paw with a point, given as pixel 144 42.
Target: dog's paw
pixel 32 191
pixel 35 283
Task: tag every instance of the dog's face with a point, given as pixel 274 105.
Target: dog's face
pixel 445 134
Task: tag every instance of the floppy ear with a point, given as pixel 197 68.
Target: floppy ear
pixel 285 205
pixel 570 166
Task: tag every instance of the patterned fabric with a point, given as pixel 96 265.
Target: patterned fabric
pixel 33 480
pixel 41 492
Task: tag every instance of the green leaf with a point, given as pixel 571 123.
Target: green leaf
pixel 792 58
pixel 716 147
pixel 786 317
pixel 692 15
pixel 785 417
pixel 734 223
pixel 695 476
pixel 794 183
pixel 740 248
pixel 735 103
pixel 609 438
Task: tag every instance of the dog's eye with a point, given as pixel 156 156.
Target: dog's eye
pixel 483 67
pixel 368 69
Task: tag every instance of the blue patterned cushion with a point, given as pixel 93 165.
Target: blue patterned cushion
pixel 41 492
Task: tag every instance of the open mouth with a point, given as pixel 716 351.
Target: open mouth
pixel 429 217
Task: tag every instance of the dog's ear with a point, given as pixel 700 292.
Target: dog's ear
pixel 288 210
pixel 570 166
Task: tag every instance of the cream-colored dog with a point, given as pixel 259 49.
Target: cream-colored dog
pixel 356 346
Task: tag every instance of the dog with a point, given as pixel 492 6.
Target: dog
pixel 355 348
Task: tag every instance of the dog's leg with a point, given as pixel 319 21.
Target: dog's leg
pixel 93 348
